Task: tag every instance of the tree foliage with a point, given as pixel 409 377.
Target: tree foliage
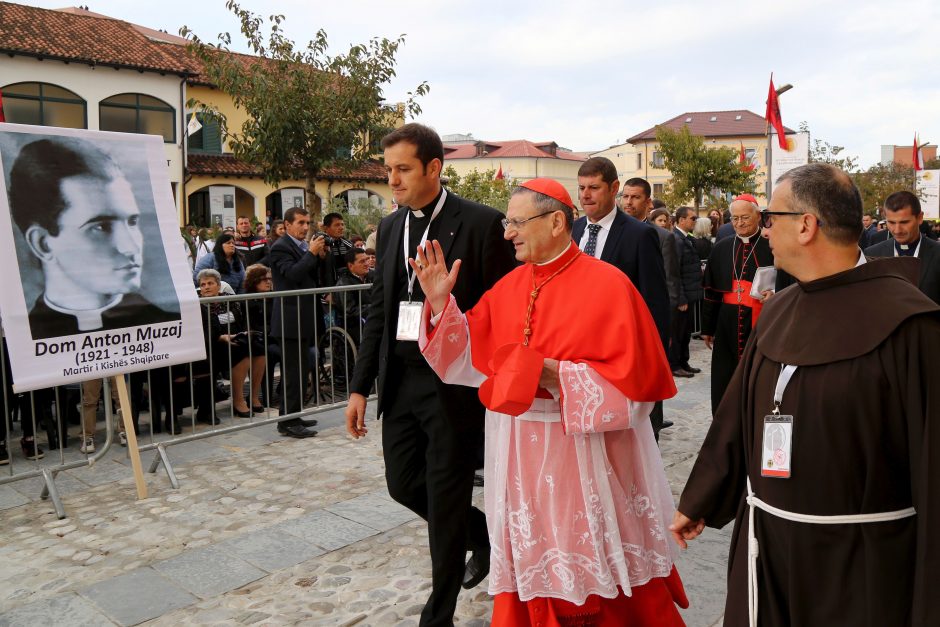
pixel 879 181
pixel 307 110
pixel 482 187
pixel 823 152
pixel 698 169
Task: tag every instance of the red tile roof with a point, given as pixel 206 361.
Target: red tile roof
pixel 739 122
pixel 228 165
pixel 84 38
pixel 511 148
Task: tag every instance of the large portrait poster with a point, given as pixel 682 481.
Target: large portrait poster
pixel 928 188
pixel 782 161
pixel 101 284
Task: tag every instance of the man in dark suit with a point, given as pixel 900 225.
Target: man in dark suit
pixel 904 217
pixel 296 320
pixel 621 240
pixel 690 292
pixel 431 430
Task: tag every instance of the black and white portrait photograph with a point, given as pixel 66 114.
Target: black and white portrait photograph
pixel 83 219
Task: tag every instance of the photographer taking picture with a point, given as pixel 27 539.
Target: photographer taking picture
pixel 333 230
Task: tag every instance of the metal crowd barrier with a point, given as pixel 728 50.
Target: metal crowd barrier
pixel 326 362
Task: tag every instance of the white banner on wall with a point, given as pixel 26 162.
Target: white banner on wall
pixel 928 190
pixel 292 197
pixel 101 285
pixel 782 161
pixel 222 205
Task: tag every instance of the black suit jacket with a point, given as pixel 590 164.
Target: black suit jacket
pixel 635 249
pixel 293 269
pixel 929 282
pixel 467 231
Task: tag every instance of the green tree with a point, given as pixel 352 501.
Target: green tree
pixel 482 187
pixel 307 110
pixel 823 152
pixel 698 169
pixel 876 183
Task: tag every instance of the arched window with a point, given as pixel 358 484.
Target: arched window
pixel 138 113
pixel 44 104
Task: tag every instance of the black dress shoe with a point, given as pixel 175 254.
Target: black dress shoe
pixel 691 369
pixel 679 372
pixel 308 423
pixel 667 424
pixel 297 431
pixel 478 567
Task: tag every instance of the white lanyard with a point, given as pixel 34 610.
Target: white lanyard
pixel 916 250
pixel 437 209
pixel 783 379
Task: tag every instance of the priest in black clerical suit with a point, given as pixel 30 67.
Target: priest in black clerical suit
pixel 929 255
pixel 47 320
pixel 430 431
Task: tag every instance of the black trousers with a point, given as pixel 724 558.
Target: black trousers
pixel 295 370
pixel 429 469
pixel 680 334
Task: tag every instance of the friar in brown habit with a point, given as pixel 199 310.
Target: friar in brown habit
pixel 823 448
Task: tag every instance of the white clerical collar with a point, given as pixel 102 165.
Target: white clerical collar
pixel 907 247
pixel 747 240
pixel 556 257
pixel 606 222
pixel 88 319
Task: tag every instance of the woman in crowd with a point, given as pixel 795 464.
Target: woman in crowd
pixel 660 217
pixel 258 281
pixel 226 261
pixel 702 238
pixel 276 231
pixel 229 342
pixel 715 216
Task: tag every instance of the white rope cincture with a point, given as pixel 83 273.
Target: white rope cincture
pixel 752 547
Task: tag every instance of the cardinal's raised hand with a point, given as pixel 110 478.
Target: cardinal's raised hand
pixel 431 269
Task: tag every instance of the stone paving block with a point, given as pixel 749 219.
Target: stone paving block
pixel 68 609
pixel 105 471
pixel 373 510
pixel 705 586
pixel 325 529
pixel 271 550
pixel 9 497
pixel 138 596
pixel 208 571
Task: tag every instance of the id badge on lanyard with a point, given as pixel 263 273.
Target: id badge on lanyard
pixel 777 444
pixel 409 313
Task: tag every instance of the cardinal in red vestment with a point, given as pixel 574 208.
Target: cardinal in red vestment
pixel 569 364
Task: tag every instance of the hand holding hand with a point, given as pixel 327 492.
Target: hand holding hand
pixel 684 528
pixel 431 269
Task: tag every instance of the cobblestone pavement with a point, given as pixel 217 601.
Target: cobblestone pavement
pixel 268 531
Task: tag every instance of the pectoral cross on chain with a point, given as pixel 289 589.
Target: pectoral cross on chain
pixel 739 290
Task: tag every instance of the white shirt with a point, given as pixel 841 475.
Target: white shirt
pixel 605 224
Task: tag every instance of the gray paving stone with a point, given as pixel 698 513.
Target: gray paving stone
pixel 374 510
pixel 105 471
pixel 325 529
pixel 137 596
pixel 11 498
pixel 208 571
pixel 270 550
pixel 68 609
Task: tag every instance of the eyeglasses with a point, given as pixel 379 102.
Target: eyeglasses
pixel 517 224
pixel 766 222
pixel 744 218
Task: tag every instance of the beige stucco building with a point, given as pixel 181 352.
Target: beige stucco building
pixel 518 159
pixel 78 69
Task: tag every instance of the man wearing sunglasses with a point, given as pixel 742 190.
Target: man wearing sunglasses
pixel 822 450
pixel 729 312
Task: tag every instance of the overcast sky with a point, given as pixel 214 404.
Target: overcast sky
pixel 590 74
